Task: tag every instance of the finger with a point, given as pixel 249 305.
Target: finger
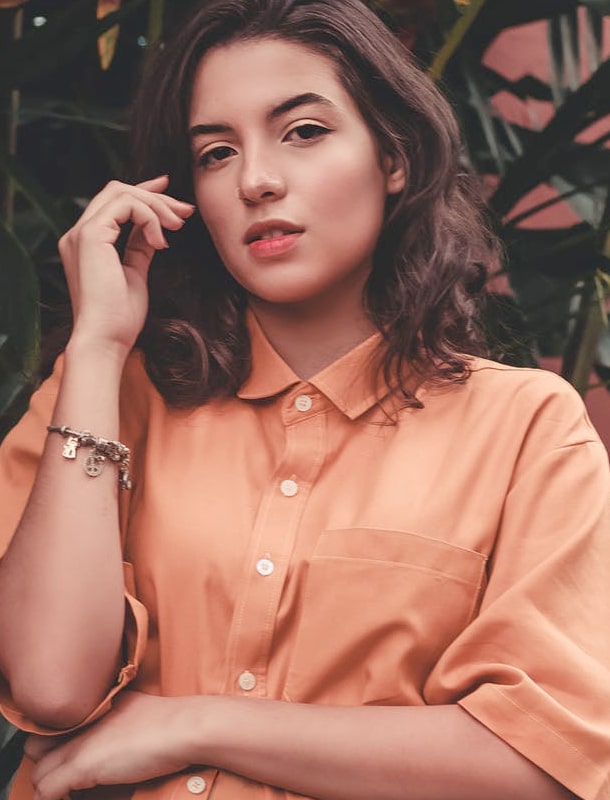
pixel 115 188
pixel 37 746
pixel 118 206
pixel 104 228
pixel 138 253
pixel 52 760
pixel 57 783
pixel 154 184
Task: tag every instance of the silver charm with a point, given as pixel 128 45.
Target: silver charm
pixel 69 450
pixel 94 465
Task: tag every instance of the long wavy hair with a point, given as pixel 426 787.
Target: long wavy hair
pixel 425 287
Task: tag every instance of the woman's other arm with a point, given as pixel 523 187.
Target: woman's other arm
pixel 330 753
pixel 61 586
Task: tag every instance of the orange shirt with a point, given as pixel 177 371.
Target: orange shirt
pixel 299 542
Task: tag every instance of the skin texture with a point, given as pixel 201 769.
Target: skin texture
pixel 334 187
pixel 72 618
pixel 316 166
pixel 422 753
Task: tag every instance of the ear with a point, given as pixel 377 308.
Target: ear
pixel 396 178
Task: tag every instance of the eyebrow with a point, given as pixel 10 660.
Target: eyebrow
pixel 306 99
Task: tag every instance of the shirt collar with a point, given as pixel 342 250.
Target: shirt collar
pixel 352 382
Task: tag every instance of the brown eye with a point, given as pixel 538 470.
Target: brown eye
pixel 308 132
pixel 215 156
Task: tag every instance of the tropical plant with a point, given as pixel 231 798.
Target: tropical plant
pixel 559 275
pixel 65 83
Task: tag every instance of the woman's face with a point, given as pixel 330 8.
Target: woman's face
pixel 288 177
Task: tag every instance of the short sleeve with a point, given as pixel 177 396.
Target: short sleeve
pixel 534 665
pixel 19 457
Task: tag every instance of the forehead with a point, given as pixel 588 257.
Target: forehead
pixel 251 76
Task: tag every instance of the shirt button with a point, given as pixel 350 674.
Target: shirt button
pixel 289 488
pixel 303 403
pixel 196 785
pixel 265 566
pixel 247 681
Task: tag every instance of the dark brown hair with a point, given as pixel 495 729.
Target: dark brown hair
pixel 427 275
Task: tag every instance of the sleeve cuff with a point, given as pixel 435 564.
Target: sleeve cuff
pixel 529 735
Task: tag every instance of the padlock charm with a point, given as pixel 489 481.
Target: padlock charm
pixel 69 450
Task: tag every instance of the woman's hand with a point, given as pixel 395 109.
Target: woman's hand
pixel 141 738
pixel 110 298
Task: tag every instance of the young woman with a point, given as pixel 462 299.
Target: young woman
pixel 361 561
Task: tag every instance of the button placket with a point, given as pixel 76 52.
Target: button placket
pixel 272 539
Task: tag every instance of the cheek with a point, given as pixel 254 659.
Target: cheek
pixel 215 215
pixel 354 179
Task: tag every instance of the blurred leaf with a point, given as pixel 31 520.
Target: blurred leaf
pixel 590 103
pixel 594 35
pixel 37 108
pixel 497 15
pixel 566 195
pixel 19 317
pixel 35 194
pixel 581 349
pixel 603 6
pixel 509 335
pixel 561 253
pixel 526 87
pixel 106 44
pixel 66 34
pixel 10 756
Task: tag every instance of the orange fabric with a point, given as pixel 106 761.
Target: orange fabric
pixel 297 543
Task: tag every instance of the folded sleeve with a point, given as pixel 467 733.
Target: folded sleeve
pixel 534 665
pixel 19 457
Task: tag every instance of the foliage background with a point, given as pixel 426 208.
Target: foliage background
pixel 67 71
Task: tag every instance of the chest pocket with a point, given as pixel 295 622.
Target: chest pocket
pixel 379 608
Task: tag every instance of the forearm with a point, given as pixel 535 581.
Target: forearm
pixel 415 753
pixel 61 587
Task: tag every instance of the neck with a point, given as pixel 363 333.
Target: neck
pixel 309 340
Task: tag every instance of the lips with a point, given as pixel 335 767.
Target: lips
pixel 271 229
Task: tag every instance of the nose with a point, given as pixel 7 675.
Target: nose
pixel 260 181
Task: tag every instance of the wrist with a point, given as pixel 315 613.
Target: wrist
pixel 82 348
pixel 194 723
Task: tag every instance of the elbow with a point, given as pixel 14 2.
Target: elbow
pixel 58 706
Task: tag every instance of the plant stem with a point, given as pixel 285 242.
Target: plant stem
pixel 155 20
pixel 454 39
pixel 13 124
